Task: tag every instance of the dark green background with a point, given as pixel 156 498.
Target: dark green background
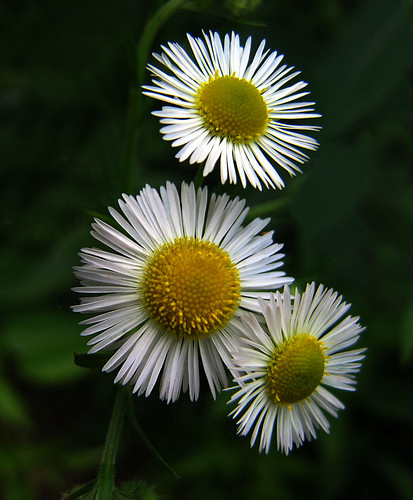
pixel 65 78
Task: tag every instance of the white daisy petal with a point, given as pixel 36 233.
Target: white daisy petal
pixel 290 349
pixel 167 295
pixel 228 107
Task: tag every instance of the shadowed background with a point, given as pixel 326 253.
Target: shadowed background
pixel 65 80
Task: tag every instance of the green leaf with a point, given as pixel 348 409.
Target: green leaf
pixel 134 490
pixel 96 361
pixel 12 409
pixel 80 491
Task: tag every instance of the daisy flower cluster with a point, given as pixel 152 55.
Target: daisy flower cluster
pixel 178 276
pixel 184 290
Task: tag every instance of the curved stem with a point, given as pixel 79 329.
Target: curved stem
pixel 269 207
pixel 135 107
pixel 149 33
pixel 135 424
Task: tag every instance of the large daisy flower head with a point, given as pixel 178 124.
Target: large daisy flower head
pixel 289 357
pixel 179 270
pixel 227 106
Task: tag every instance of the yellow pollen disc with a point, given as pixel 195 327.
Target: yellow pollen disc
pixel 232 107
pixel 191 287
pixel 295 370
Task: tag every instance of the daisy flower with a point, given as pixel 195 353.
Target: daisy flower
pixel 228 106
pixel 289 357
pixel 180 269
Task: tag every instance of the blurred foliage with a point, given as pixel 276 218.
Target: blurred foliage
pixel 65 81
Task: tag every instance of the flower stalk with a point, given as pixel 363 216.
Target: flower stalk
pixel 106 475
pixel 135 112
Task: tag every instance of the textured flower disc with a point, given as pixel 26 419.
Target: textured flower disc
pixel 295 370
pixel 191 287
pixel 234 108
pixel 230 108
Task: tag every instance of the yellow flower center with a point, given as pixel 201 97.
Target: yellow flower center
pixel 232 107
pixel 295 370
pixel 191 287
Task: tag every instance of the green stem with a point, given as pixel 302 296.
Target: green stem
pixel 132 130
pixel 199 177
pixel 135 107
pixel 151 29
pixel 270 207
pixel 106 475
pixel 135 424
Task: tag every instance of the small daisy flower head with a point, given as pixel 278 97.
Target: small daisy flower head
pixel 292 352
pixel 226 106
pixel 179 270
